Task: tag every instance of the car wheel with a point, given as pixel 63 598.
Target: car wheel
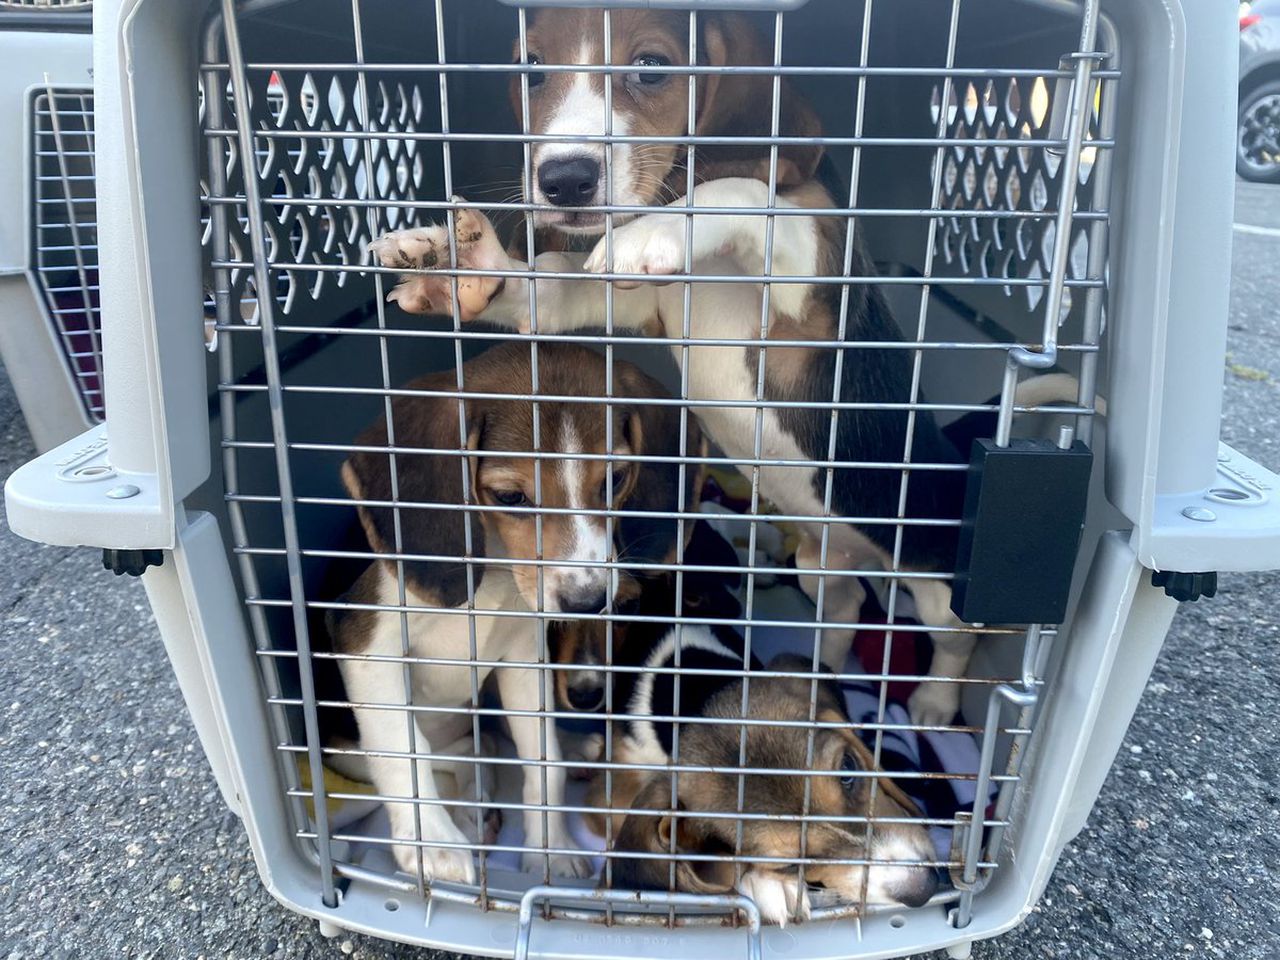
pixel 1258 135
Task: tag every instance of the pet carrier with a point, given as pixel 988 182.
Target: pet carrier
pixel 1043 189
pixel 50 336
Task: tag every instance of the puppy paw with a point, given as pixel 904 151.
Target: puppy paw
pixel 780 899
pixel 427 248
pixel 652 244
pixel 447 866
pixel 934 704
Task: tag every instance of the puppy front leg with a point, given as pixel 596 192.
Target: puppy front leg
pixel 654 243
pixel 935 702
pixel 842 600
pixel 518 688
pixel 563 304
pixel 386 732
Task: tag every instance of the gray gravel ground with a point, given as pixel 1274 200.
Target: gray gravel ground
pixel 118 843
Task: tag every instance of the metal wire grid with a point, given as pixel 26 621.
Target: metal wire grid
pixel 329 164
pixel 64 240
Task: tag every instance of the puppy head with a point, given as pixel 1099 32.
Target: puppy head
pixel 586 643
pixel 497 432
pixel 582 647
pixel 570 175
pixel 843 790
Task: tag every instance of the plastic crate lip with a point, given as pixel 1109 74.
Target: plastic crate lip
pixel 1233 525
pixel 65 497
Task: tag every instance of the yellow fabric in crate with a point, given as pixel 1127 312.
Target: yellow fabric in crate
pixel 738 487
pixel 334 782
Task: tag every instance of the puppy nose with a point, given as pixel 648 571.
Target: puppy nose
pixel 589 601
pixel 924 884
pixel 569 182
pixel 586 698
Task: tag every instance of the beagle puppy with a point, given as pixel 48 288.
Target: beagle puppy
pixel 711 665
pixel 425 539
pixel 844 790
pixel 567 177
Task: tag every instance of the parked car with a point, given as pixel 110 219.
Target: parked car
pixel 1258 136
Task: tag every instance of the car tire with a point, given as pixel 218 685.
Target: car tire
pixel 1258 134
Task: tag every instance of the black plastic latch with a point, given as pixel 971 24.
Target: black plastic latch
pixel 1185 587
pixel 132 562
pixel 1024 513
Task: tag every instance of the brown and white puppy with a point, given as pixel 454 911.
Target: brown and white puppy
pixel 582 648
pixel 845 790
pixel 711 664
pixel 428 536
pixel 568 177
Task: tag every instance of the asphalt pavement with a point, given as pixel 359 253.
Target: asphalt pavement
pixel 116 843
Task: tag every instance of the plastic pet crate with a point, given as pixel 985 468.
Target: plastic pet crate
pixel 1042 187
pixel 50 339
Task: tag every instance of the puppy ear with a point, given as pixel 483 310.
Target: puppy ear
pixel 422 423
pixel 654 430
pixel 651 834
pixel 741 105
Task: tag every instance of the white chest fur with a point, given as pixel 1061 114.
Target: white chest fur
pixel 448 636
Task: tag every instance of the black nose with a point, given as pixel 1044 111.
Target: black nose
pixel 917 893
pixel 586 699
pixel 583 602
pixel 570 182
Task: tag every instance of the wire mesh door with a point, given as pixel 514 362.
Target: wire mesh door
pixel 545 566
pixel 64 224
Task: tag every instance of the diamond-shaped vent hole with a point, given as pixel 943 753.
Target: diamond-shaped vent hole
pixel 1039 102
pixel 1022 239
pixel 1039 192
pixel 970 104
pixel 337 101
pixel 991 187
pixel 1012 190
pixel 310 99
pixel 1035 292
pixel 1064 310
pixel 1080 255
pixel 1002 153
pixel 990 103
pixel 1047 239
pixel 1013 103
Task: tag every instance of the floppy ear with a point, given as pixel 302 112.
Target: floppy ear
pixel 741 105
pixel 424 423
pixel 655 431
pixel 644 833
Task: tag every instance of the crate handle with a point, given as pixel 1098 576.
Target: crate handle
pixel 539 894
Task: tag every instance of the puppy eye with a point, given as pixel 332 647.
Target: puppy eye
pixel 646 79
pixel 610 489
pixel 850 765
pixel 511 498
pixel 535 76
